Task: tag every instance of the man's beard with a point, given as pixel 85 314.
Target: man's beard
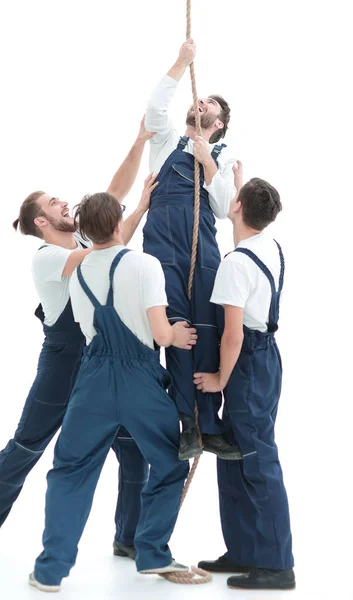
pixel 207 120
pixel 63 225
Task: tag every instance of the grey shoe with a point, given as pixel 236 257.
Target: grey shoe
pixel 125 551
pixel 174 567
pixel 41 586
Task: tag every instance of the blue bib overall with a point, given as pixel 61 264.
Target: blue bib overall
pixel 43 414
pixel 120 383
pixel 253 500
pixel 168 237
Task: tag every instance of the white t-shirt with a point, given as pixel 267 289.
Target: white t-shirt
pixel 221 189
pixel 139 284
pixel 52 288
pixel 240 282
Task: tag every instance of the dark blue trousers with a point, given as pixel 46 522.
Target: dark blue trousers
pixel 41 418
pixel 120 383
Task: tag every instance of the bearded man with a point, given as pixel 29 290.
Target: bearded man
pixel 168 237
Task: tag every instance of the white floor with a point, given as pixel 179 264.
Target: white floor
pixel 321 541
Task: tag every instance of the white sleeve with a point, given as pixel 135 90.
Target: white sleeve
pixel 49 263
pixel 73 285
pixel 154 293
pixel 232 285
pixel 222 190
pixel 157 119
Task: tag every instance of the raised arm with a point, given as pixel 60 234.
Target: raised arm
pixel 125 176
pixel 132 222
pixel 157 118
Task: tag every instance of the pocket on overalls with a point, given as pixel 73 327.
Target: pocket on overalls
pixel 181 180
pixel 237 399
pixel 157 235
pixel 208 247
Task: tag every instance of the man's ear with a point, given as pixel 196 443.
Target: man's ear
pixel 40 222
pixel 219 124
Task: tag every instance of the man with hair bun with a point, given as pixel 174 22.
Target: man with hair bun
pixel 47 218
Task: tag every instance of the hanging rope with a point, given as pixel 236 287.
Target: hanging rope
pixel 195 233
pixel 196 575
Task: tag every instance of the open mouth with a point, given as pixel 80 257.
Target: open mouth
pixel 65 213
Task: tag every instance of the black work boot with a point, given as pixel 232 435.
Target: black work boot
pixel 121 550
pixel 264 579
pixel 222 565
pixel 218 444
pixel 189 446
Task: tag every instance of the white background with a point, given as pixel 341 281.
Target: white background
pixel 75 79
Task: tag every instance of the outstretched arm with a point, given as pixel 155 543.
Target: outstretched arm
pixel 157 118
pixel 125 176
pixel 132 222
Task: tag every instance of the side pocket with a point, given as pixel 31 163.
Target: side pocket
pixel 209 251
pixel 157 236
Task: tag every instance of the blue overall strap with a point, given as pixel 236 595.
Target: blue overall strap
pixel 217 150
pixel 281 277
pixel 113 266
pixel 182 142
pixel 261 265
pixel 86 289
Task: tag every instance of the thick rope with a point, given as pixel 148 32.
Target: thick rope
pixel 202 576
pixel 189 577
pixel 195 233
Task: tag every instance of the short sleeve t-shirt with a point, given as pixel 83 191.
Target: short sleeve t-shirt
pixel 52 288
pixel 139 284
pixel 240 282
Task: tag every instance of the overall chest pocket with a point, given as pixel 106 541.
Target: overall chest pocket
pixel 181 179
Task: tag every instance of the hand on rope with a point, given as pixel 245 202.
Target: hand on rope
pixel 187 52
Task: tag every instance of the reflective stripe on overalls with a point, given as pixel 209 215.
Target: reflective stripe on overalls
pixel 120 383
pixel 253 500
pixel 43 414
pixel 168 236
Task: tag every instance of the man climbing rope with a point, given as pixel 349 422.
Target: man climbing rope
pixel 168 236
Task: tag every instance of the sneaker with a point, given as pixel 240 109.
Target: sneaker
pixel 174 567
pixel 223 565
pixel 264 579
pixel 41 586
pixel 121 550
pixel 189 444
pixel 218 444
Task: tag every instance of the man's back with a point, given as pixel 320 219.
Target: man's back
pixel 240 282
pixel 138 285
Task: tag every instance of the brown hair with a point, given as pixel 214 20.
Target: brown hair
pixel 29 211
pixel 96 217
pixel 224 116
pixel 260 202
